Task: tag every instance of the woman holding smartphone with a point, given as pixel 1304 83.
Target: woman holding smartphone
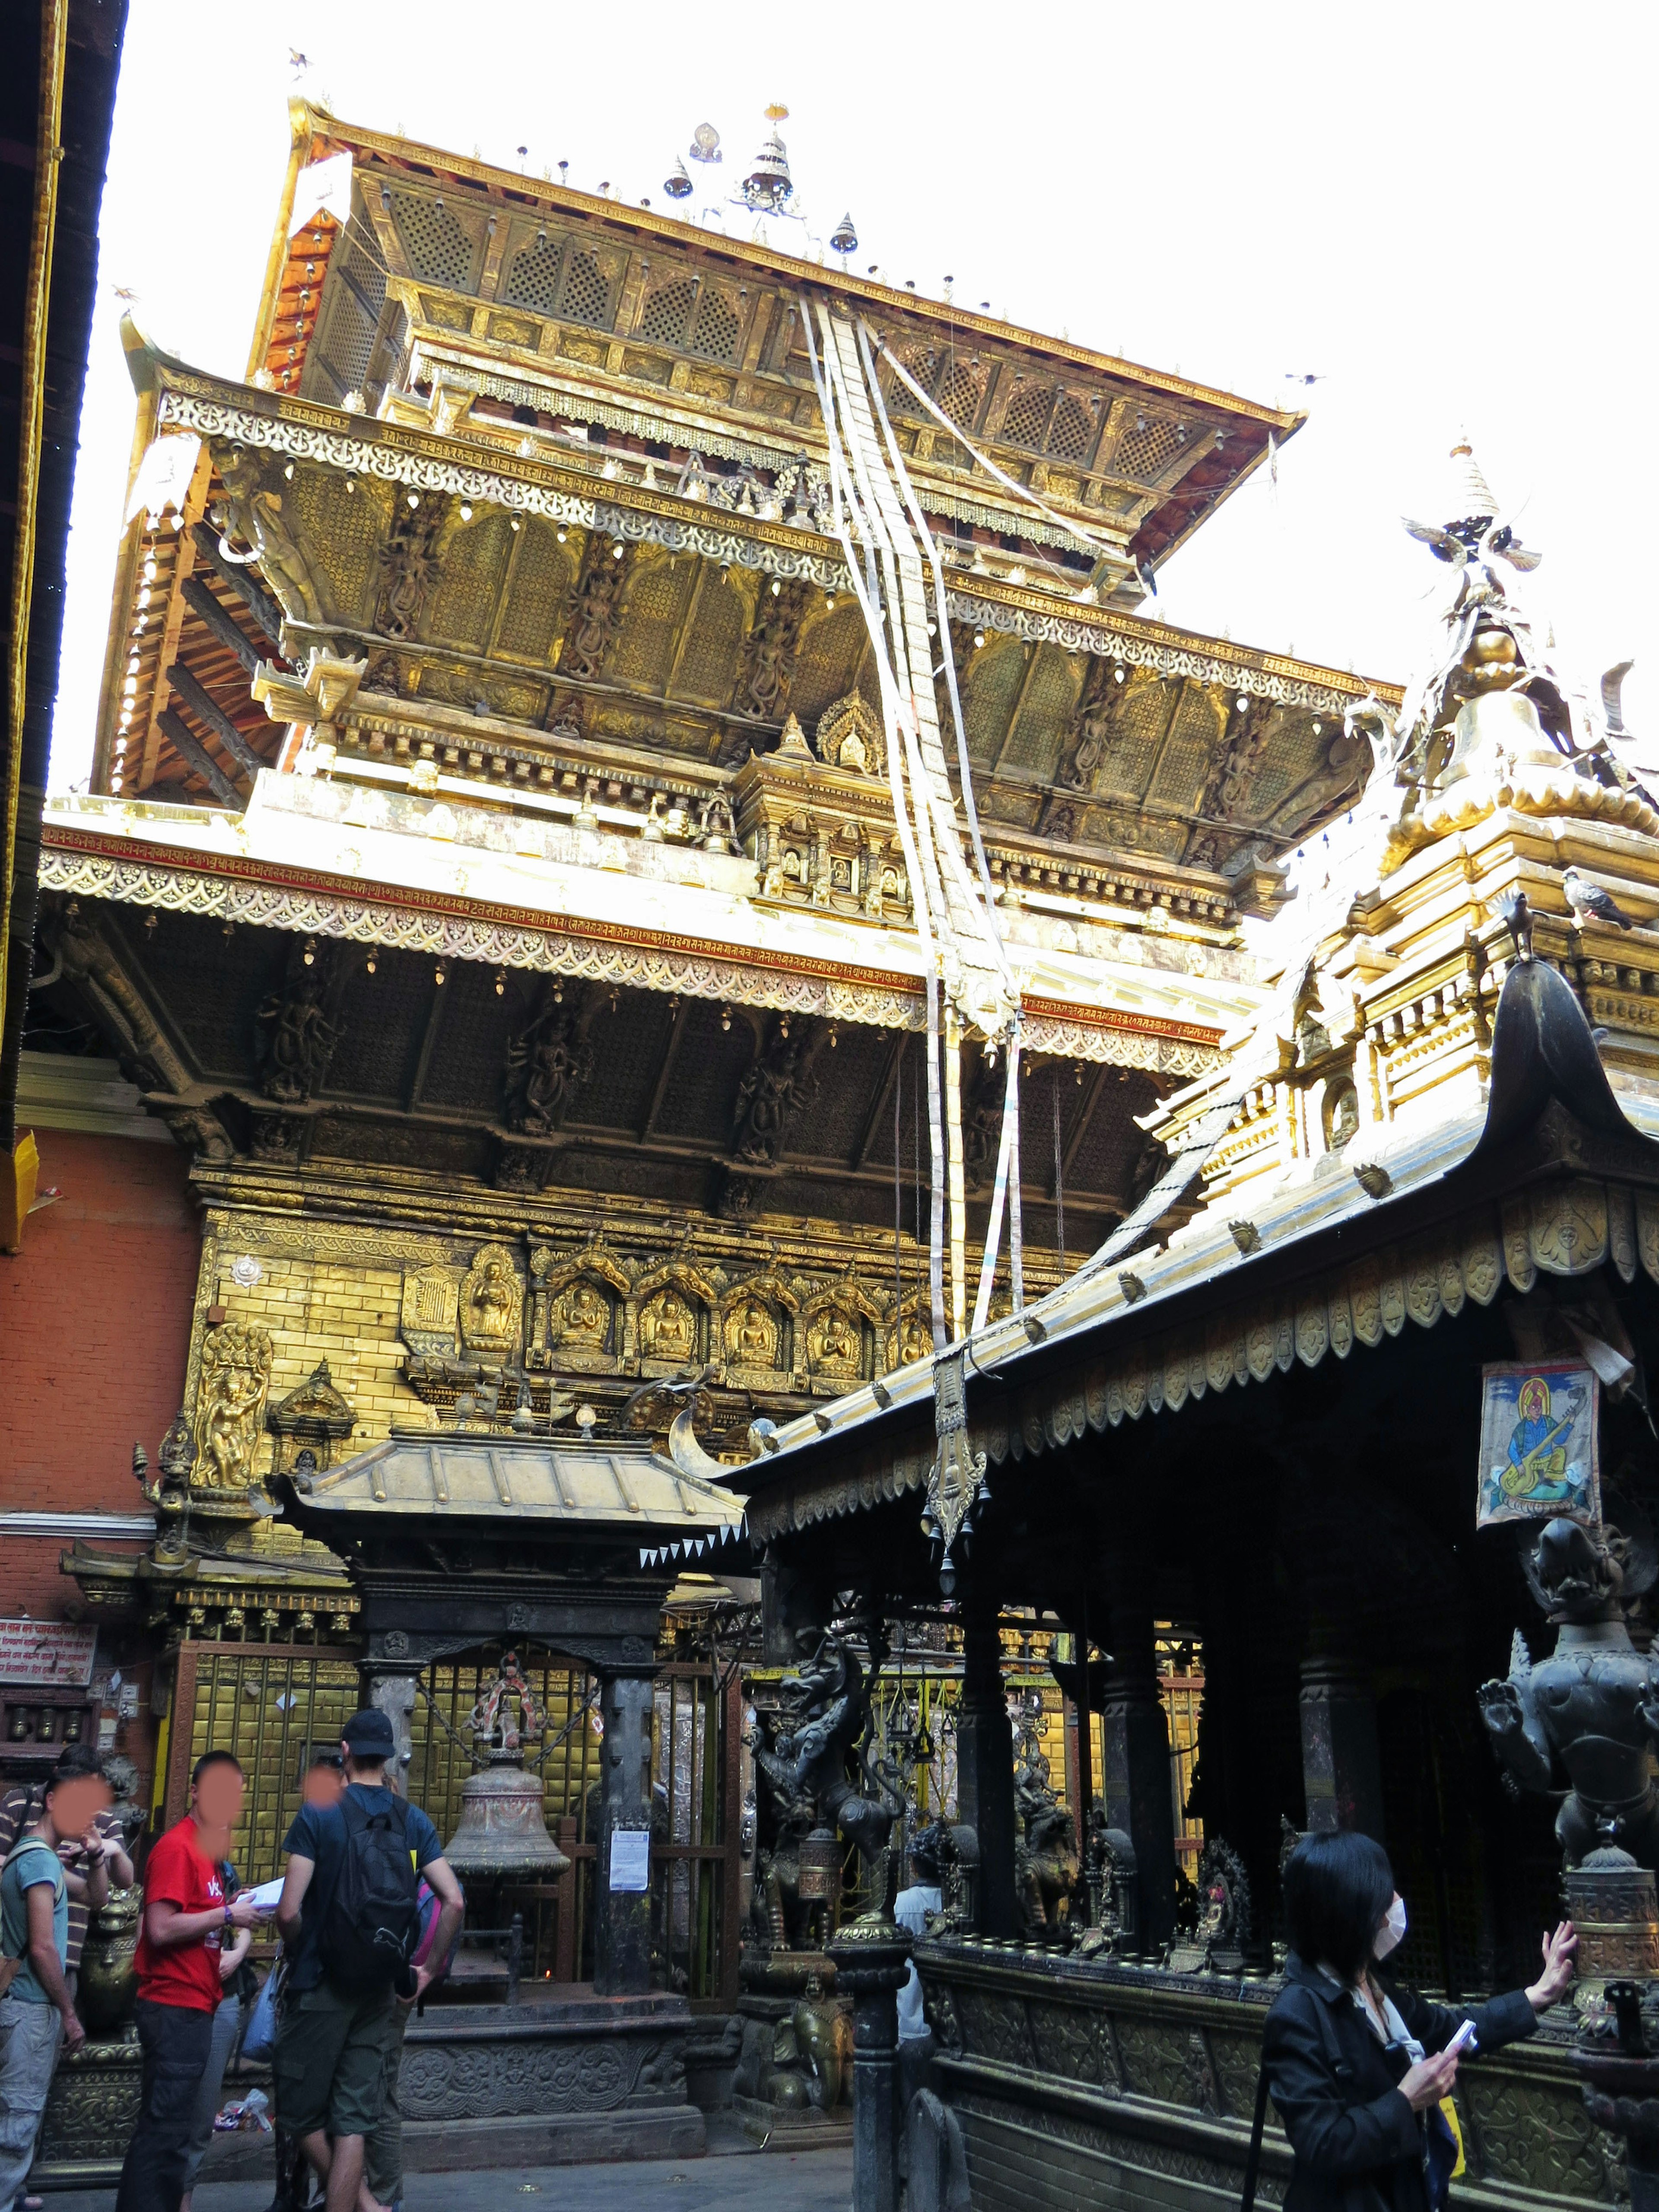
pixel 1358 2066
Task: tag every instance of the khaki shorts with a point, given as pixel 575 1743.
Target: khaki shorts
pixel 328 2069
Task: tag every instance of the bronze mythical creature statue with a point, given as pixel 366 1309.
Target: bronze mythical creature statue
pixel 830 1724
pixel 1590 1712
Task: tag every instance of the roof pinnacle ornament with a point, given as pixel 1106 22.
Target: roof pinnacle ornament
pixel 677 183
pixel 843 238
pixel 768 188
pixel 706 144
pixel 1473 492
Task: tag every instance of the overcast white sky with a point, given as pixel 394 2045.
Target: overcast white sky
pixel 1446 211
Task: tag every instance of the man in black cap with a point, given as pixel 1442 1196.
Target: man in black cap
pixel 352 1867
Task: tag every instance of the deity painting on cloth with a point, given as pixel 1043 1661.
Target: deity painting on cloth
pixel 1539 1427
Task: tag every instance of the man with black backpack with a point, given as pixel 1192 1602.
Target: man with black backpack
pixel 353 1868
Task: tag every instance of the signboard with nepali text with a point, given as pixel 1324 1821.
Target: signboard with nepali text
pixel 1538 1442
pixel 44 1652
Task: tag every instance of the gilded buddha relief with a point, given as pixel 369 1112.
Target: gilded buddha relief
pixel 834 1348
pixel 668 1328
pixel 752 1336
pixel 581 1319
pixel 491 1300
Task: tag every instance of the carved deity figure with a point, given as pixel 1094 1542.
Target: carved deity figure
pixel 769 652
pixel 1046 1862
pixel 769 1098
pixel 230 1398
pixel 298 1040
pixel 409 567
pixel 545 1063
pixel 1587 1715
pixel 827 1726
pixel 491 1301
pixel 595 612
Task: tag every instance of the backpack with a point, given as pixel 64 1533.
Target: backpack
pixel 372 1923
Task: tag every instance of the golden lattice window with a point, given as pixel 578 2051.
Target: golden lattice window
pixel 644 650
pixel 994 677
pixel 923 363
pixel 1072 431
pixel 541 577
pixel 470 578
pixel 532 275
pixel 1151 443
pixel 344 528
pixel 714 334
pixel 960 391
pixel 586 295
pixel 440 251
pixel 1027 418
pixel 667 317
pixel 709 664
pixel 1034 742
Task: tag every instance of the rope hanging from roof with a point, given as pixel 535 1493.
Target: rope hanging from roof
pixel 872 499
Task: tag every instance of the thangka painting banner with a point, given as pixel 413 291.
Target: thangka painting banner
pixel 1539 1431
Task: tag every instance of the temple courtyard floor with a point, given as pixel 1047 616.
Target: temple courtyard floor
pixel 732 2176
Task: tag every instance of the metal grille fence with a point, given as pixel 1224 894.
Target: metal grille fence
pixel 276 1705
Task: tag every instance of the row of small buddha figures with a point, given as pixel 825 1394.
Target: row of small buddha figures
pixel 591 1311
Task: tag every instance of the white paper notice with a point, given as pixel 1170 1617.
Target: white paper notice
pixel 630 1859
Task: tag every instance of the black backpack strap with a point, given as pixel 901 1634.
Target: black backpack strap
pixel 1253 2163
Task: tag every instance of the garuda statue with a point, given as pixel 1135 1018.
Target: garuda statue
pixel 1587 1715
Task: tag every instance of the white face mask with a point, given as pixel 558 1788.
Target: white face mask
pixel 1392 1932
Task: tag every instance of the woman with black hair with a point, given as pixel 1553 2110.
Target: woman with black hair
pixel 1358 2067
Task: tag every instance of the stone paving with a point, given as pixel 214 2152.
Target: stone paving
pixel 729 2180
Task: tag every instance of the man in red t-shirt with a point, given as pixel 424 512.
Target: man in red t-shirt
pixel 186 1915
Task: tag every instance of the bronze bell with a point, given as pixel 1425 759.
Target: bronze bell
pixel 501 1830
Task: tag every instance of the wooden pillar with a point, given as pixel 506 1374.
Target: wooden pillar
pixel 1135 1787
pixel 985 1767
pixel 1341 1767
pixel 622 1916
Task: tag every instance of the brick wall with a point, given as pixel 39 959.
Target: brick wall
pixel 95 1318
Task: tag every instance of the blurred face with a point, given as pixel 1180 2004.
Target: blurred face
pixel 216 1801
pixel 323 1785
pixel 74 1804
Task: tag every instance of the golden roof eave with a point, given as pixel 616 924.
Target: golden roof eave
pixel 309 122
pixel 296 425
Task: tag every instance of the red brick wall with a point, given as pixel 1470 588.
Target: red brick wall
pixel 95 1330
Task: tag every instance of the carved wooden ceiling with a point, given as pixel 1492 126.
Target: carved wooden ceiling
pixel 502 1078
pixel 628 644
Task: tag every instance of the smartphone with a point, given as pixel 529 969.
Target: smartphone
pixel 1464 2037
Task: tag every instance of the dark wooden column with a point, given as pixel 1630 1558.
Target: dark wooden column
pixel 985 1765
pixel 1134 1783
pixel 622 1917
pixel 1341 1768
